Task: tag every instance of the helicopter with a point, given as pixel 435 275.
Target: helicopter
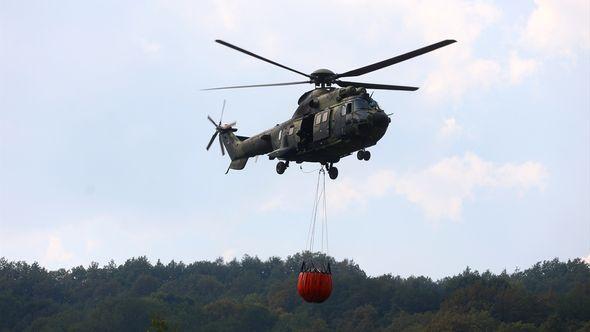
pixel 329 123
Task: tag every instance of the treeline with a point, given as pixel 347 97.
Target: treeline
pixel 255 295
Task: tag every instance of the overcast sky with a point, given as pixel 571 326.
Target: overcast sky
pixel 103 132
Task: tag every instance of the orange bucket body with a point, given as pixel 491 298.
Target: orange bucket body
pixel 314 286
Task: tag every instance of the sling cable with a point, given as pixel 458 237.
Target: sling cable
pixel 315 278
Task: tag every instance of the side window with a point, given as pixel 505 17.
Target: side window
pixel 280 134
pixel 348 108
pixel 318 118
pixel 343 110
pixel 291 130
pixel 325 116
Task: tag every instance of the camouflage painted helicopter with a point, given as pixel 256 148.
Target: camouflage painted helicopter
pixel 329 123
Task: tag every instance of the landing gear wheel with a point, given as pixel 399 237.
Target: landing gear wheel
pixel 366 155
pixel 360 155
pixel 333 172
pixel 281 167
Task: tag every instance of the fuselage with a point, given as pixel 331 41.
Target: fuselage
pixel 328 124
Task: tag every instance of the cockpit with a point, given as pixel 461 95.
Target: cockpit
pixel 361 104
pixel 364 106
pixel 365 103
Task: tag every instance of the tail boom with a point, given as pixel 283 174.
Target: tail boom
pixel 240 148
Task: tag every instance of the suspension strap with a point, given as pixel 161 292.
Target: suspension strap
pixel 319 200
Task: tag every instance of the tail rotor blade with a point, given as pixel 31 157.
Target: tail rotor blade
pixel 212 139
pixel 221 145
pixel 213 122
pixel 222 109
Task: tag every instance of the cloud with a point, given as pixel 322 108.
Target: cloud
pixel 519 67
pixel 118 236
pixel 458 70
pixel 450 128
pixel 441 189
pixel 282 201
pixel 559 27
pixel 92 244
pixel 150 46
pixel 55 252
pixel 460 74
pixel 229 255
pixel 271 204
pixel 229 13
pixel 343 193
pixel 463 20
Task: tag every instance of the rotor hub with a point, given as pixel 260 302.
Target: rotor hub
pixel 322 76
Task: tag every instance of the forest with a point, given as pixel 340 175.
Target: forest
pixel 255 295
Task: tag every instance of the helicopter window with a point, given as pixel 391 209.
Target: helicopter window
pixel 280 134
pixel 348 108
pixel 318 119
pixel 325 116
pixel 374 104
pixel 343 110
pixel 291 130
pixel 361 104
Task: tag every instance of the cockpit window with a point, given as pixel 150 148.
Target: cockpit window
pixel 374 104
pixel 361 104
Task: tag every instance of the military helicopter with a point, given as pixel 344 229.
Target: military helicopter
pixel 329 123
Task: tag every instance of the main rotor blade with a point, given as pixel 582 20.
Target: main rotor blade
pixel 376 86
pixel 396 59
pixel 213 122
pixel 255 85
pixel 212 139
pixel 258 57
pixel 222 148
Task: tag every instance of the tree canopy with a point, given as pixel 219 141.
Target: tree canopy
pixel 251 294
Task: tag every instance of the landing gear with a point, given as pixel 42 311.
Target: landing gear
pixel 332 172
pixel 363 155
pixel 282 166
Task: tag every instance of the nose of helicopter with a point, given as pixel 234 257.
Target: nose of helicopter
pixel 380 119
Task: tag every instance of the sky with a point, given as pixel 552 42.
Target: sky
pixel 103 131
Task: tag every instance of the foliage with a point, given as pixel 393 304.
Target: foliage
pixel 261 296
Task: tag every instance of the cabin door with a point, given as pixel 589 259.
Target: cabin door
pixel 339 120
pixel 321 125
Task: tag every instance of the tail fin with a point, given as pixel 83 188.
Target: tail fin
pixel 232 145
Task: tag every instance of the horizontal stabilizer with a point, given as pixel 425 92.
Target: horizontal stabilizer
pixel 238 163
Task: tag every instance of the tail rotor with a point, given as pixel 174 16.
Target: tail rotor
pixel 219 128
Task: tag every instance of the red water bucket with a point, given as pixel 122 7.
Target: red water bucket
pixel 314 286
